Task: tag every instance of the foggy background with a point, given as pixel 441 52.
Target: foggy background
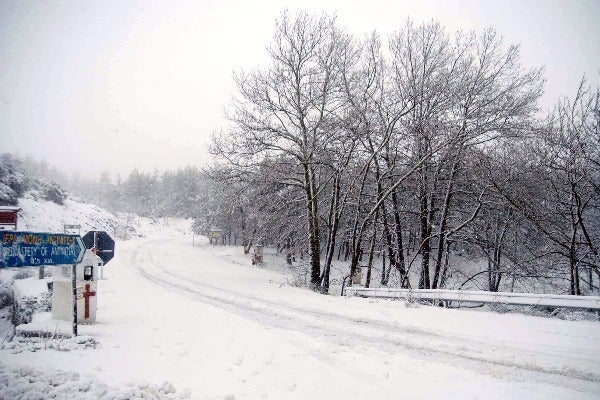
pixel 113 85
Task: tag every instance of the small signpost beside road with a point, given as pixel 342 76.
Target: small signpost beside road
pixel 36 249
pixel 71 228
pixel 101 244
pixel 215 235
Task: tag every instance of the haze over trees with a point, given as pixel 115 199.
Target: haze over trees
pixel 170 193
pixel 414 147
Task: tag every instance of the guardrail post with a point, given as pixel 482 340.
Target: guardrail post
pixel 344 284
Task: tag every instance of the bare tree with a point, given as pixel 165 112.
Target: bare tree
pixel 467 92
pixel 286 109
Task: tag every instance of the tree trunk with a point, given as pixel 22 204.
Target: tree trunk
pixel 314 244
pixel 372 250
pixel 334 218
pixel 357 233
pixel 425 249
pixel 385 276
pixel 497 260
pixel 444 225
pixel 446 262
pixel 425 213
pixel 347 253
pixel 384 217
pixel 401 263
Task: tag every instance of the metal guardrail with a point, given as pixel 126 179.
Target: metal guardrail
pixel 549 300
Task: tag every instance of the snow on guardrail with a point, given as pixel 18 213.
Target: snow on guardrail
pixel 549 300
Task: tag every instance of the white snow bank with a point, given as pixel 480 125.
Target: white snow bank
pixel 49 341
pixel 40 215
pixel 29 287
pixel 157 227
pixel 46 216
pixel 43 324
pixel 26 383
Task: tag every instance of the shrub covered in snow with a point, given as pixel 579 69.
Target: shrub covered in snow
pixel 27 306
pixel 26 383
pixel 23 273
pixel 5 294
pixel 49 341
pixel 12 180
pixel 50 191
pixel 54 193
pixel 30 296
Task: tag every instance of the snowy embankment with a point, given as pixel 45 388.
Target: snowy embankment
pixel 33 384
pixel 40 215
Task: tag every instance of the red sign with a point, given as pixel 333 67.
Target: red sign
pixel 8 218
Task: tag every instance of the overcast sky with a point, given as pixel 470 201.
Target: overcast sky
pixel 112 85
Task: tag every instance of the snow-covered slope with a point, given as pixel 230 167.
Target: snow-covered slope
pixel 42 215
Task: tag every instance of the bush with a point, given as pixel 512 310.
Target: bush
pixel 8 197
pixel 54 193
pixel 12 180
pixel 28 306
pixel 23 273
pixel 5 295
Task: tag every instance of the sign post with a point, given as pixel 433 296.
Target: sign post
pixel 74 287
pixel 101 244
pixel 36 249
pixel 72 227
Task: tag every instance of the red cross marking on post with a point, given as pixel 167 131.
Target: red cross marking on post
pixel 87 294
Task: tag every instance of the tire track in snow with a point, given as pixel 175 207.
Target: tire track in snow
pixel 329 326
pixel 246 310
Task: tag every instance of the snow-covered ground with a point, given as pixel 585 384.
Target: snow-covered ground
pixel 45 216
pixel 201 322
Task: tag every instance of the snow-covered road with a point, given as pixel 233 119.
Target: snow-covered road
pixel 204 319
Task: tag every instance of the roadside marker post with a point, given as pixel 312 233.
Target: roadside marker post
pixel 102 245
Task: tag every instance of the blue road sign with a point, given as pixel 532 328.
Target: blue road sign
pixel 24 249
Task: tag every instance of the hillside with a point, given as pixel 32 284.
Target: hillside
pixel 38 214
pixel 42 215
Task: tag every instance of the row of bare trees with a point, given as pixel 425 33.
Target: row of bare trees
pixel 415 148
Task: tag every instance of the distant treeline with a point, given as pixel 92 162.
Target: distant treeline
pixel 170 193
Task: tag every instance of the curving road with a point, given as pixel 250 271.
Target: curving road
pixel 473 354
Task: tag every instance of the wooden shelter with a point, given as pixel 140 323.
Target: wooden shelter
pixel 8 217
